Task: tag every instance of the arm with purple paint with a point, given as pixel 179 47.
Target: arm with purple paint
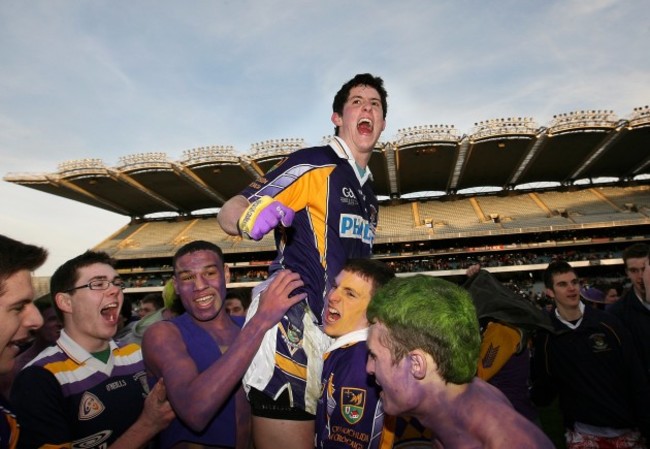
pixel 197 396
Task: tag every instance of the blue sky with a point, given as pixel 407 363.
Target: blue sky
pixel 104 79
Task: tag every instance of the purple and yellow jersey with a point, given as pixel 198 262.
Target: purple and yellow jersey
pixel 336 215
pixel 349 411
pixel 65 396
pixel 9 428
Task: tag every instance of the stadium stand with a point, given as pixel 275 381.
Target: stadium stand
pixel 434 216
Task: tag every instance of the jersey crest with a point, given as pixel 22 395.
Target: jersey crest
pixel 90 406
pixel 292 336
pixel 353 402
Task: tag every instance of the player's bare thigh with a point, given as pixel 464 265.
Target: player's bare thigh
pixel 281 433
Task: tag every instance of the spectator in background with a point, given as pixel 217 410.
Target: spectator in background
pixel 126 319
pixel 633 309
pixel 46 336
pixel 172 308
pixel 18 317
pixel 149 304
pixel 87 390
pixel 590 363
pixel 203 354
pixel 237 302
pixel 612 294
pixel 424 346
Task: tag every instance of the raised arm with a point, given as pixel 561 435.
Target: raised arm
pixel 230 212
pixel 256 219
pixel 196 397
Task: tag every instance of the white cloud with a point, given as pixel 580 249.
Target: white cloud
pixel 111 78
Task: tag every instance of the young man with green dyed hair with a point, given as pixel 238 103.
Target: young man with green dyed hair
pixel 424 346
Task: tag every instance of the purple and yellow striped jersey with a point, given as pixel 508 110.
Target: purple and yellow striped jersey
pixel 336 215
pixel 67 396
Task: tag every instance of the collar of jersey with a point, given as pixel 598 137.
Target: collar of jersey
pixel 569 324
pixel 341 148
pixel 80 356
pixel 350 337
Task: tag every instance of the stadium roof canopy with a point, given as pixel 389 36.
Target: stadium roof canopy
pixel 502 153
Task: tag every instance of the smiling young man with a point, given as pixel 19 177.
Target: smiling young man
pixel 349 411
pixel 321 207
pixel 41 338
pixel 18 316
pixel 424 347
pixel 87 391
pixel 590 363
pixel 203 354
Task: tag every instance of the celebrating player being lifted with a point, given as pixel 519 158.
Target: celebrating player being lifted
pixel 323 211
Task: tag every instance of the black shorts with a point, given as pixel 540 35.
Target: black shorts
pixel 265 407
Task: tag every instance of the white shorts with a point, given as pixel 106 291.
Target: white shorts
pixel 290 356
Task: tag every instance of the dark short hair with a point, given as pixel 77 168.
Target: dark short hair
pixel 66 276
pixel 636 251
pixel 197 245
pixel 153 298
pixel 16 256
pixel 242 294
pixel 362 79
pixel 556 267
pixel 375 271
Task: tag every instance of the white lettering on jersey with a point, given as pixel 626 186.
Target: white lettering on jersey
pixel 355 227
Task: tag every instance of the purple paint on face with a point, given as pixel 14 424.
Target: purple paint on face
pixel 395 380
pixel 200 282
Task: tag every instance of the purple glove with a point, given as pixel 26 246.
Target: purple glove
pixel 262 216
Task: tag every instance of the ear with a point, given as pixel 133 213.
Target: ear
pixel 64 302
pixel 337 119
pixel 226 273
pixel 549 293
pixel 420 364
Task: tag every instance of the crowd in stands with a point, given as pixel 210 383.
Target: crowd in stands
pixel 499 259
pixel 416 264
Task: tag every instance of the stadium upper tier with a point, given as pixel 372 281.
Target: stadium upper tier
pixel 416 221
pixel 505 153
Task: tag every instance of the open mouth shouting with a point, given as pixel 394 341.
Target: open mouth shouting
pixel 110 313
pixel 332 315
pixel 365 126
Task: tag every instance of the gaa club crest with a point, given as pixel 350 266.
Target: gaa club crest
pixel 353 401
